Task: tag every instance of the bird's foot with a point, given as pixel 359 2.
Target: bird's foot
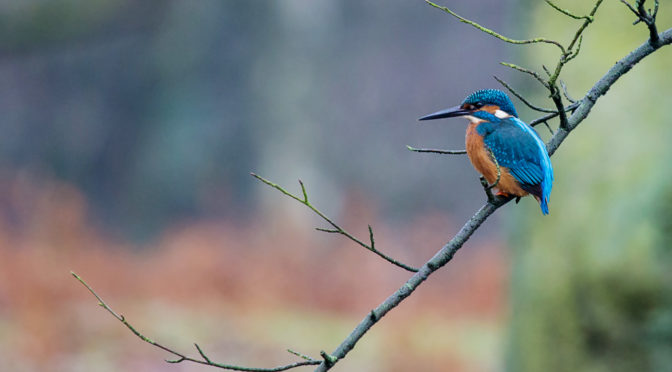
pixel 488 191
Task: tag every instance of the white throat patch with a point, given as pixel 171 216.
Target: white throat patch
pixel 501 114
pixel 474 119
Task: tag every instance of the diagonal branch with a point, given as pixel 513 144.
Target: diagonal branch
pixel 180 357
pixel 520 97
pixel 336 228
pixel 580 110
pixel 527 71
pixel 446 253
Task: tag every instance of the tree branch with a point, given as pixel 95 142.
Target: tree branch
pixel 307 361
pixel 436 151
pixel 493 33
pixel 568 13
pixel 544 118
pixel 602 86
pixel 446 253
pixel 649 18
pixel 580 110
pixel 527 71
pixel 336 228
pixel 520 97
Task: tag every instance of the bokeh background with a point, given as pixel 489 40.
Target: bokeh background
pixel 128 131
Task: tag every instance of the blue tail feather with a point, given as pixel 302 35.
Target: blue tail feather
pixel 544 205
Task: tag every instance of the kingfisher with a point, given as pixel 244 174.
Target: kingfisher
pixel 503 148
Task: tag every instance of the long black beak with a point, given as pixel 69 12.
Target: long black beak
pixel 447 113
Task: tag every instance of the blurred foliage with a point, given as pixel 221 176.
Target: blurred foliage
pixel 244 292
pixel 591 285
pixel 158 110
pixel 142 119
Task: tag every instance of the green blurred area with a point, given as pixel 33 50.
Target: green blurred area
pixel 591 284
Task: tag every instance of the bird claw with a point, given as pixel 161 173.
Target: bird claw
pixel 488 190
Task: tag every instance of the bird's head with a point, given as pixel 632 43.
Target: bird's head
pixel 479 106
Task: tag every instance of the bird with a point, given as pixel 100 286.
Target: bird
pixel 508 152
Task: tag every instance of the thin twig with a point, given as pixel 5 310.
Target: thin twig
pixel 495 34
pixel 546 70
pixel 520 97
pixel 584 25
pixel 550 116
pixel 336 228
pixel 566 93
pixel 436 151
pixel 302 356
pixel 575 53
pixel 568 13
pixel 183 358
pixel 571 54
pixel 526 71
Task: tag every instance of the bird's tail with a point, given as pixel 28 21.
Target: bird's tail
pixel 543 203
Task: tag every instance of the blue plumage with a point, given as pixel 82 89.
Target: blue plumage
pixel 517 146
pixel 492 97
pixel 495 131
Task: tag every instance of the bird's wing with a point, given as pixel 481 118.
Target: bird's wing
pixel 519 149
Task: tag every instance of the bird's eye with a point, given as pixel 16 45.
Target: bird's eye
pixel 478 105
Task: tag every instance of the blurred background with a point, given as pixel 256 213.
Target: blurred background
pixel 129 129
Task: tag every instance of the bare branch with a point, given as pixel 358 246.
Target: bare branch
pixel 550 116
pixel 602 86
pixel 336 228
pixel 447 252
pixel 493 33
pixel 580 110
pixel 649 18
pixel 568 13
pixel 302 356
pixel 527 71
pixel 576 52
pixel 585 24
pixel 557 99
pixel 520 97
pixel 564 91
pixel 183 358
pixel 549 128
pixel 436 151
pixel 571 54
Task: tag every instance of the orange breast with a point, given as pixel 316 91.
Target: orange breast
pixel 481 160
